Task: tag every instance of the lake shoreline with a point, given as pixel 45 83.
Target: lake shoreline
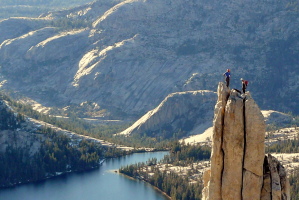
pixel 52 176
pixel 156 188
pixel 103 182
pixel 58 174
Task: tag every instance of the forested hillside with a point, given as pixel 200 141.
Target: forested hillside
pixel 31 152
pixel 180 183
pixel 57 155
pixel 185 165
pixel 99 131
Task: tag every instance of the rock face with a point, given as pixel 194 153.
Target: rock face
pixel 239 167
pixel 176 113
pixel 16 132
pixel 233 146
pixel 133 53
pixel 214 189
pixel 276 118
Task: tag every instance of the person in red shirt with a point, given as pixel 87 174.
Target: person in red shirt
pixel 244 85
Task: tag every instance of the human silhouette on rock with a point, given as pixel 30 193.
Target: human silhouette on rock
pixel 227 77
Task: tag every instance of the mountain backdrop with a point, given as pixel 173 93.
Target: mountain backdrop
pixel 127 56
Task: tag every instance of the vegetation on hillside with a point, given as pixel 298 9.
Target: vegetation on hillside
pixel 56 155
pixel 44 152
pixel 8 120
pixel 294 182
pixel 57 152
pixel 52 157
pixel 285 146
pixel 288 146
pixel 178 186
pixel 69 24
pixel 174 185
pixel 182 154
pixel 99 131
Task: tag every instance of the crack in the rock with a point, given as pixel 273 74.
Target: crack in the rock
pixel 251 172
pixel 222 150
pixel 244 147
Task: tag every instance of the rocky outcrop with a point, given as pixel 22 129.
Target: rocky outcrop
pixel 90 11
pixel 239 169
pixel 179 112
pixel 233 147
pixel 278 184
pixel 17 26
pixel 16 131
pixel 277 118
pixel 254 149
pixel 214 189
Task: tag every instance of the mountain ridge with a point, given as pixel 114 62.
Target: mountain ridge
pixel 137 52
pixel 181 114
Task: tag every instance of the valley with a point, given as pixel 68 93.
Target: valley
pixel 82 82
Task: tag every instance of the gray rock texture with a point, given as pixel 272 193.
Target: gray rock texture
pixel 276 118
pixel 181 112
pixel 280 187
pixel 254 149
pixel 239 168
pixel 233 147
pixel 16 133
pixel 133 53
pixel 214 189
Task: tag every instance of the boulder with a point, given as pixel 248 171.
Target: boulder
pixel 279 182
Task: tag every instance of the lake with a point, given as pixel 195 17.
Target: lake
pixel 98 184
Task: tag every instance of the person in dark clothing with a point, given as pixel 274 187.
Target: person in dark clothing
pixel 244 85
pixel 227 77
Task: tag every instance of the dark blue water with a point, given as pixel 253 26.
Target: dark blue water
pixel 99 184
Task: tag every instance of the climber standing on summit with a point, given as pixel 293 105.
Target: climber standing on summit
pixel 244 85
pixel 227 74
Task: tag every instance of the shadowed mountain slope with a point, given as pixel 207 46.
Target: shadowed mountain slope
pixel 179 113
pixel 131 54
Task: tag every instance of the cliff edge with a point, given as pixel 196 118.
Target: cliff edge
pixel 239 167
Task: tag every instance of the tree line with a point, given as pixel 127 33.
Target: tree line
pixel 68 24
pixel 294 182
pixel 176 186
pixel 79 126
pixel 284 146
pixel 8 119
pixel 288 146
pixel 57 154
